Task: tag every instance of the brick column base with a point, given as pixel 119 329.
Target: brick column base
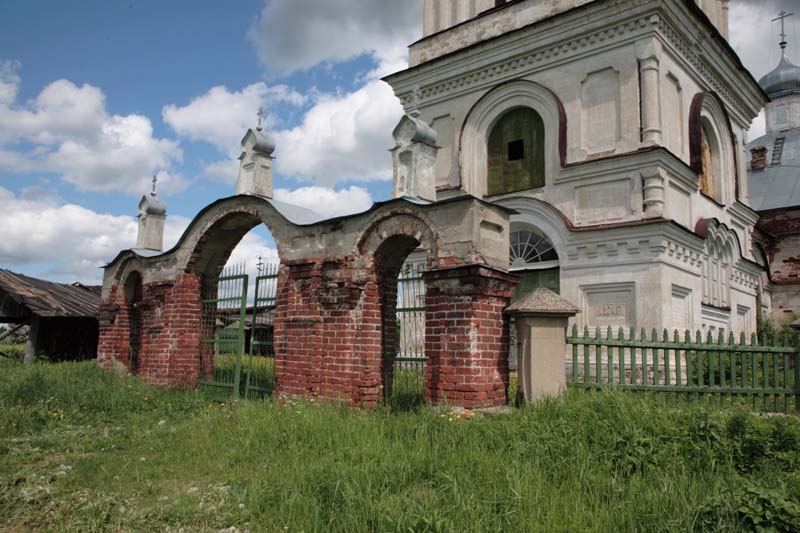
pixel 466 341
pixel 170 332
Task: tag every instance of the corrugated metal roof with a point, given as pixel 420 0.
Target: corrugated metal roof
pixel 51 300
pixel 778 185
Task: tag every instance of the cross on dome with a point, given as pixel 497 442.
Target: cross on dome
pixel 260 114
pixel 782 16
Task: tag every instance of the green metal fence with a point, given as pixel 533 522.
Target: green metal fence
pixel 761 373
pixel 222 338
pixel 408 367
pixel 261 378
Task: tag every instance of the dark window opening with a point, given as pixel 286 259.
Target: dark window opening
pixel 516 150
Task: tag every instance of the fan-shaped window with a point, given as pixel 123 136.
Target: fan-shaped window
pixel 532 250
pixel 516 152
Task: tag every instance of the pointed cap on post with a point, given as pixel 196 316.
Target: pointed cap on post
pixel 542 302
pixel 151 204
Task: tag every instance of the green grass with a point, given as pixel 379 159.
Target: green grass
pixel 83 450
pixel 12 351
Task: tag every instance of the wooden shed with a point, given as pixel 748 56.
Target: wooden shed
pixel 62 317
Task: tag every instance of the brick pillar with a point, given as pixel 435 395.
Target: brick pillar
pixel 298 331
pixel 466 338
pixel 328 333
pixel 181 333
pixel 113 344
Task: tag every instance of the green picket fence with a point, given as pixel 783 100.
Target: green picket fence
pixel 761 373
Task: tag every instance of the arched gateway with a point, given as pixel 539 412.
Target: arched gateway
pixel 336 293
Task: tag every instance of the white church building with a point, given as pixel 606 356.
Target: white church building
pixel 615 130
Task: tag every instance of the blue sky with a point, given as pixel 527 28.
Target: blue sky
pixel 97 96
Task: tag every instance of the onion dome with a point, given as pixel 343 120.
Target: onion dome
pixel 782 81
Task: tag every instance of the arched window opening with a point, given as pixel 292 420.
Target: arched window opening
pixel 516 152
pixel 716 274
pixel 534 258
pixel 710 183
pixel 133 302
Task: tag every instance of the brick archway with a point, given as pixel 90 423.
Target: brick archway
pixel 334 276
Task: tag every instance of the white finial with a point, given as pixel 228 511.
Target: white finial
pixel 782 16
pixel 260 118
pixel 155 183
pixel 413 104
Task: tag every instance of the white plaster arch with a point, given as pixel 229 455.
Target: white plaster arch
pixel 712 115
pixel 535 213
pixel 485 114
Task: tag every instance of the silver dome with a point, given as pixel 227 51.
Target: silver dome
pixel 784 80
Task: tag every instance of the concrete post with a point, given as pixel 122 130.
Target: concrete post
pixel 541 319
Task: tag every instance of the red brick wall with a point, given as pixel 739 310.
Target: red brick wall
pixel 327 333
pixel 334 322
pixel 170 329
pixel 467 336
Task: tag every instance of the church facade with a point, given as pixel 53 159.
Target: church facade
pixel 615 131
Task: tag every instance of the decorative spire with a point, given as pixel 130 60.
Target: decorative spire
pixel 260 126
pixel 782 16
pixel 413 104
pixel 155 184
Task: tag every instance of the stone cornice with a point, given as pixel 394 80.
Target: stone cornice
pixel 723 76
pixel 512 56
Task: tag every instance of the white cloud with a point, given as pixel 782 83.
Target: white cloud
pixel 342 137
pixel 225 171
pixel 68 242
pixel 758 128
pixel 221 117
pixel 326 201
pixel 9 82
pixel 295 35
pixel 71 133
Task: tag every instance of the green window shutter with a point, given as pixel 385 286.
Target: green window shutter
pixel 516 152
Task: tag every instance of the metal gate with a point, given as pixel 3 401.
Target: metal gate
pixel 222 332
pixel 237 346
pixel 261 358
pixel 408 368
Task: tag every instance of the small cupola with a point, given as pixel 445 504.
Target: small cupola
pixel 255 163
pixel 783 80
pixel 152 217
pixel 782 85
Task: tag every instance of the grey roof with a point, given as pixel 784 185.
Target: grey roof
pixel 784 80
pixel 48 299
pixel 295 214
pixel 146 252
pixel 778 185
pixel 542 301
pixel 152 204
pixel 260 141
pixel 413 129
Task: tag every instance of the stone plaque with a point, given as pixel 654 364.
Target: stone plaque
pixel 610 304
